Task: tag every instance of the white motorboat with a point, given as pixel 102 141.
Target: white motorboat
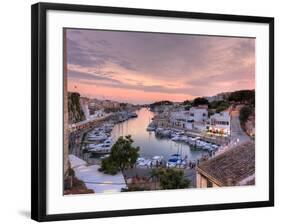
pixel 143 162
pixel 108 140
pixel 157 157
pixel 132 114
pixel 176 160
pixel 150 128
pixel 93 146
pixel 97 137
pixel 103 149
pixel 156 160
pixel 176 138
pixel 159 130
pixel 163 132
pixel 108 128
pixel 171 165
pixel 184 138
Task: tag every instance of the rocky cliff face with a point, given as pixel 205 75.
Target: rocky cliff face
pixel 75 111
pixel 84 102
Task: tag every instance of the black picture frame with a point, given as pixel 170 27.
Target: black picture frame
pixel 39 107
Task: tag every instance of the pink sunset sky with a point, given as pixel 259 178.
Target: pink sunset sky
pixel 138 67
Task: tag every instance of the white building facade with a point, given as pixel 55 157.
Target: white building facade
pixel 198 114
pixel 194 118
pixel 219 123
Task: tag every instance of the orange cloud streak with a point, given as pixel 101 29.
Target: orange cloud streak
pixel 123 95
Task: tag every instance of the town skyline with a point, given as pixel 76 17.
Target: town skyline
pixel 118 101
pixel 142 68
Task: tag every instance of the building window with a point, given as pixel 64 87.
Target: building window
pixel 209 183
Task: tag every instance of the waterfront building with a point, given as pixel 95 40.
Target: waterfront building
pixel 199 126
pixel 199 113
pixel 179 119
pixel 162 120
pixel 235 167
pixel 219 123
pixel 98 105
pixel 194 118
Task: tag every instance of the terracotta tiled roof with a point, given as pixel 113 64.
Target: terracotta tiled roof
pixel 232 166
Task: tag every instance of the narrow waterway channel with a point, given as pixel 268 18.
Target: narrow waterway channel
pixel 150 145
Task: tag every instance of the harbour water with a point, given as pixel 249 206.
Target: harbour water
pixel 150 145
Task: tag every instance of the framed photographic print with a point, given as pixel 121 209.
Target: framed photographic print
pixel 139 111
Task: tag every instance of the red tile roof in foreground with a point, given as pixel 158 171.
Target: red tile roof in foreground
pixel 232 166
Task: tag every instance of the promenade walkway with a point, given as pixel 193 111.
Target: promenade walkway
pixel 94 179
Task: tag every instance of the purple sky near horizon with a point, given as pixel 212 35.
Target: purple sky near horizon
pixel 141 67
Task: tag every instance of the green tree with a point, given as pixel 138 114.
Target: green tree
pixel 200 101
pixel 214 104
pixel 187 107
pixel 186 102
pixel 160 103
pixel 243 96
pixel 245 112
pixel 109 166
pixel 123 155
pixel 171 178
pixel 222 106
pixel 219 105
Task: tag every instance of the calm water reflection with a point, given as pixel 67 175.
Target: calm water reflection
pixel 149 144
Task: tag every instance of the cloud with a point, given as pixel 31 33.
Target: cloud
pixel 84 49
pixel 161 63
pixel 97 80
pixel 90 77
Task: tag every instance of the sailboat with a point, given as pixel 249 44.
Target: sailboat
pixel 151 126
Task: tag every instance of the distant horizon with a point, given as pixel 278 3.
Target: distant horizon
pixel 142 68
pixel 92 98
